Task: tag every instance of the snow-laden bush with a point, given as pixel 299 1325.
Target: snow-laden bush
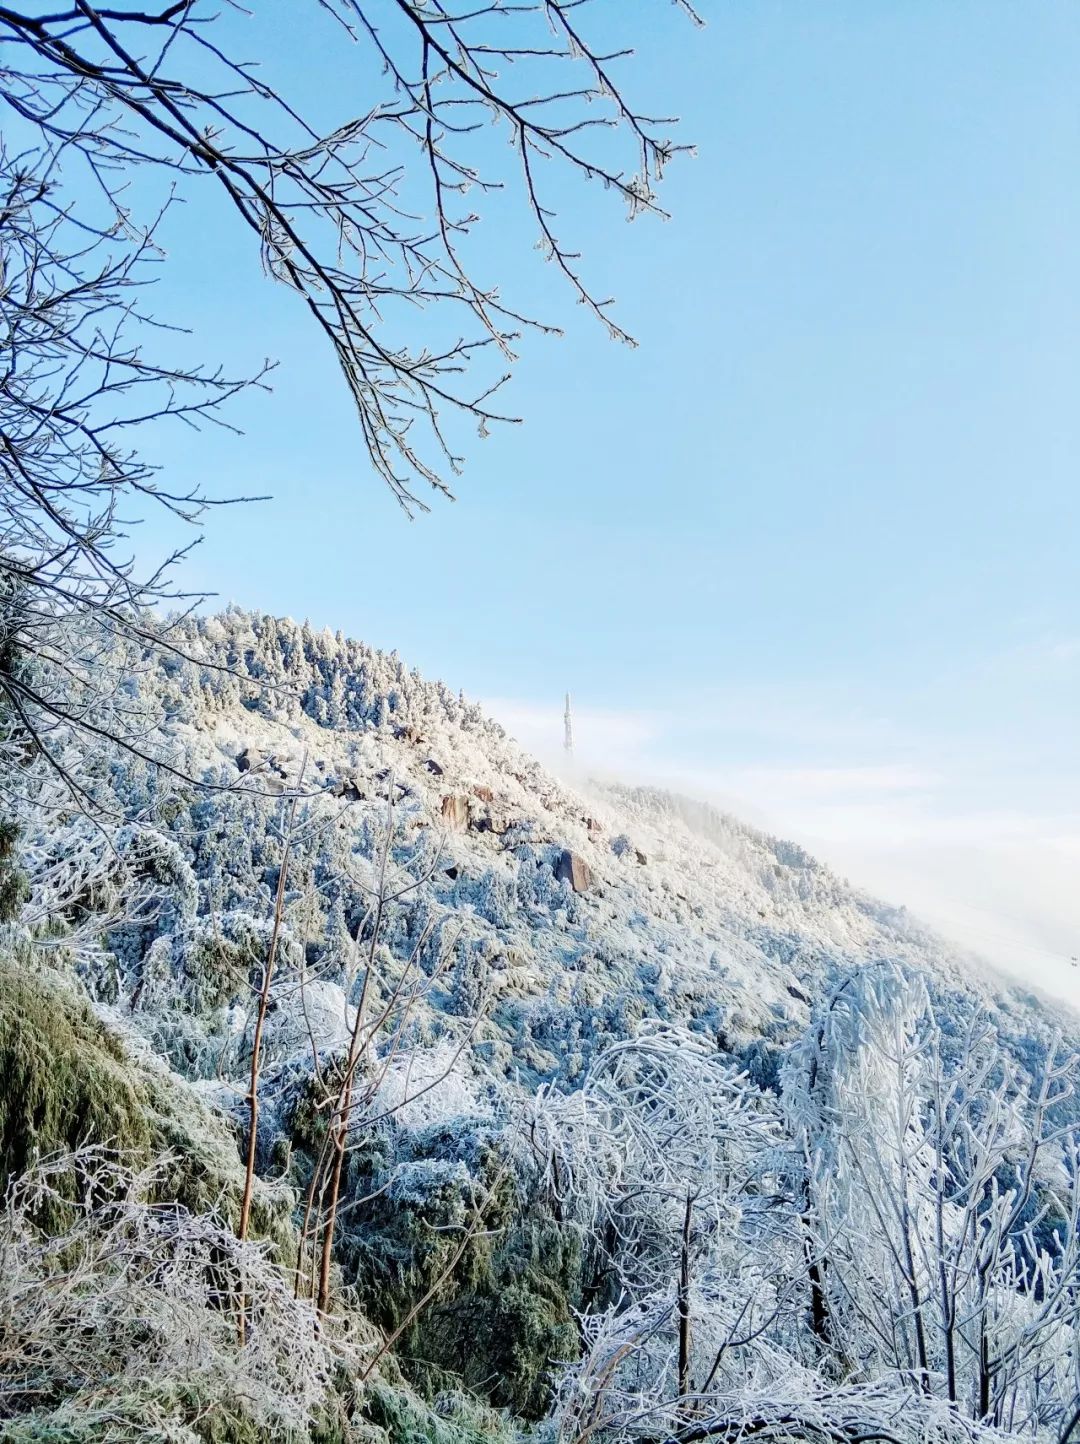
pixel 144 1319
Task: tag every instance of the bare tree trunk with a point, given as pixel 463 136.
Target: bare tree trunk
pixel 340 1119
pixel 340 1141
pixel 471 1230
pixel 260 1019
pixel 984 1370
pixel 815 1270
pixel 684 1299
pixel 308 1227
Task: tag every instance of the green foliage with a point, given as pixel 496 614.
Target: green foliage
pixel 217 964
pixel 502 1336
pixel 155 1414
pixel 66 1080
pixel 498 1316
pixel 200 1164
pixel 495 1322
pixel 408 1235
pixel 399 1416
pixel 308 1112
pixel 13 884
pixel 69 1080
pixel 388 1411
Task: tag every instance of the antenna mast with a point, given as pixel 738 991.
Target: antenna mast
pixel 568 729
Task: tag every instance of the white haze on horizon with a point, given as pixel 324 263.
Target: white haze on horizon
pixel 999 881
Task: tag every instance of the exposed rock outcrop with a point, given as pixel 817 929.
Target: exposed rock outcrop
pixel 455 811
pixel 571 868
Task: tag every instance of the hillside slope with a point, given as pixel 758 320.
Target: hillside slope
pixel 580 914
pixel 505 939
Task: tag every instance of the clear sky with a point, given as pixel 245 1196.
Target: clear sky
pixel 812 548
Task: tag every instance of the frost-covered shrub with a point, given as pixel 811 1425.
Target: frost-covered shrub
pixel 126 1320
pixel 395 1413
pixel 505 1335
pixel 427 1084
pixel 157 976
pixel 451 1229
pixel 468 980
pixel 220 953
pixel 69 1080
pixel 14 887
pixel 474 1141
pixel 494 898
pixel 316 1014
pixel 435 1188
pixel 403 1244
pixel 159 859
pixel 411 1216
pixel 761 1063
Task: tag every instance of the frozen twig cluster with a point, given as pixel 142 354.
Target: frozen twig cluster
pixel 110 114
pixel 889 1250
pixel 113 1305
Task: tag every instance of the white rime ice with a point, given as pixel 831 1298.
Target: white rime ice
pixel 819 1170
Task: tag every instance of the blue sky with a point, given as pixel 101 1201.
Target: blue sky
pixel 812 547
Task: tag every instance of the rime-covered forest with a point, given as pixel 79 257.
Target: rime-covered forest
pixel 361 1082
pixel 364 1081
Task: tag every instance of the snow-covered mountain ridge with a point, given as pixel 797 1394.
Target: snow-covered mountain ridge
pixel 578 912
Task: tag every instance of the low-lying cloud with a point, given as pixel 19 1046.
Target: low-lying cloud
pixel 988 853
